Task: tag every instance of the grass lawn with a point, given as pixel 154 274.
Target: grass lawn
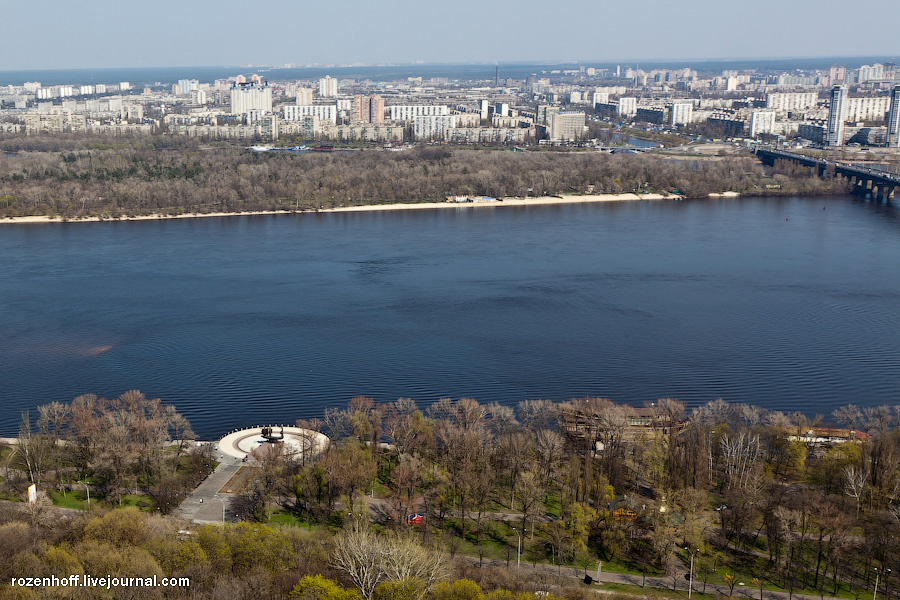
pixel 73 499
pixel 284 518
pixel 11 497
pixel 142 502
pixel 648 592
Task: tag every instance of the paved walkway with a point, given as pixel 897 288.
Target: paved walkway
pixel 745 591
pixel 210 510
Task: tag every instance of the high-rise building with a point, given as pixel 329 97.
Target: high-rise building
pixel 682 113
pixel 185 86
pixel 869 72
pixel 410 112
pixel 376 109
pixel 367 108
pixel 304 96
pixel 323 112
pixel 870 108
pixel 791 101
pixel 599 98
pixel 834 130
pixel 567 126
pixel 762 121
pixel 627 107
pixel 483 109
pixel 328 87
pixel 250 96
pixel 198 97
pixel 893 122
pixel 432 126
pixel 837 73
pixel 359 108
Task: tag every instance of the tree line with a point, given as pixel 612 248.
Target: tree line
pixel 81 175
pixel 753 495
pixel 752 490
pixel 129 443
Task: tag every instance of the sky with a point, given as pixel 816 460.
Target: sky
pixel 164 33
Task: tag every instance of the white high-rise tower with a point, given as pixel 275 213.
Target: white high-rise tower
pixel 328 87
pixel 893 123
pixel 834 132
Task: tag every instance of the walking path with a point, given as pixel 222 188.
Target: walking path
pixel 745 591
pixel 203 505
pixel 206 504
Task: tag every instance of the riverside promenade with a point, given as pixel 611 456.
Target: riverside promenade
pixel 210 501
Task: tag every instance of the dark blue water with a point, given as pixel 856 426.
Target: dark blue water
pixel 246 320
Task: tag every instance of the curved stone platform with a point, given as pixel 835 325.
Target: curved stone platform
pixel 297 441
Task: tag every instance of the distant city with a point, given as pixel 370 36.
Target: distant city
pixel 837 106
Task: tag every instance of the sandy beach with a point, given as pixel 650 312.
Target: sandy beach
pixel 543 200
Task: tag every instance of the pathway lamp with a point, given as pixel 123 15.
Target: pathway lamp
pixel 87 489
pixel 519 534
pixel 692 551
pixel 877 574
pixel 216 496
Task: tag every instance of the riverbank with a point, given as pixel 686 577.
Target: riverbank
pixel 540 201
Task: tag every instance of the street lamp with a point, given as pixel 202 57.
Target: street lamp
pixel 88 490
pixel 519 547
pixel 691 576
pixel 216 496
pixel 877 573
pixel 357 519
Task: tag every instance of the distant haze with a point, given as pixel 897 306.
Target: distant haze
pixel 230 32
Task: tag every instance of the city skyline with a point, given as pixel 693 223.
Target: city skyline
pixel 399 32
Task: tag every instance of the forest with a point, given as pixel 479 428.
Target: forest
pixel 729 494
pixel 73 176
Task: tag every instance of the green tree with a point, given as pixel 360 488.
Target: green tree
pixel 316 587
pixel 404 589
pixel 461 589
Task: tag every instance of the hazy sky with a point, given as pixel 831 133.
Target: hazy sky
pixel 107 33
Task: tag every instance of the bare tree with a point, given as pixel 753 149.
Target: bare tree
pixel 34 451
pixel 359 554
pixel 740 453
pixel 368 559
pixel 855 483
pixel 406 559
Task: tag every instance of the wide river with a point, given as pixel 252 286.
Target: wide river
pixel 791 304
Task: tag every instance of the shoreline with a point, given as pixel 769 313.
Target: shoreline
pixel 540 201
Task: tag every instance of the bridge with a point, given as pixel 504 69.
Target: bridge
pixel 865 181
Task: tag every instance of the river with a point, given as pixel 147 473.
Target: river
pixel 791 304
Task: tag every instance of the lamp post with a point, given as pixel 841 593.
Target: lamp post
pixel 357 519
pixel 877 573
pixel 691 575
pixel 88 491
pixel 519 547
pixel 216 496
